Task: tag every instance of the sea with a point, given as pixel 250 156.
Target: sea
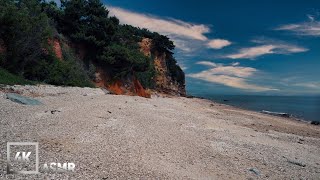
pixel 305 108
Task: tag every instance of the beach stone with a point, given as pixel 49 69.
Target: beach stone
pixel 105 91
pixel 22 99
pixel 255 171
pixel 296 163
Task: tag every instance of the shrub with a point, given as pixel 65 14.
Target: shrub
pixel 10 79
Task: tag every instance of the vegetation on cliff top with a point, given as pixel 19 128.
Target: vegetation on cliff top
pixel 27 26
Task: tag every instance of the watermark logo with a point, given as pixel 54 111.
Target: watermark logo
pixel 59 167
pixel 22 158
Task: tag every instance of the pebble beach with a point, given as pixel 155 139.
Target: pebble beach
pixel 128 137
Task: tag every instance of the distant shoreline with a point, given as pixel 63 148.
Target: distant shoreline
pixel 225 99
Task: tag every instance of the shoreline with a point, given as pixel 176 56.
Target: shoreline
pixel 258 113
pixel 272 113
pixel 291 117
pixel 121 137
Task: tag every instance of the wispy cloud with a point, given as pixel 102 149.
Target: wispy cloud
pixel 235 64
pixel 183 66
pixel 207 63
pixel 218 43
pixel 313 85
pixel 252 52
pixel 184 45
pixel 161 25
pixel 309 28
pixel 188 37
pixel 265 47
pixel 233 76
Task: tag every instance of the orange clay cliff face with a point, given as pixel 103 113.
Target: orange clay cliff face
pixel 57 48
pixel 130 85
pixel 125 86
pixel 56 45
pixel 164 83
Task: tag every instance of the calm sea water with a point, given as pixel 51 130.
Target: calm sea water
pixel 306 108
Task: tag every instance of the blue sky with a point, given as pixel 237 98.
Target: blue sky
pixel 236 46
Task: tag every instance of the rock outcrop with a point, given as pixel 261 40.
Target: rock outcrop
pixel 130 85
pixel 163 81
pixel 124 86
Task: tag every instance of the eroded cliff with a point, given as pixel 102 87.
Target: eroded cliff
pixel 163 78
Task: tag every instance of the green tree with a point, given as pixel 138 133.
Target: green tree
pixel 25 31
pixel 162 44
pixel 26 27
pixel 87 21
pixel 124 60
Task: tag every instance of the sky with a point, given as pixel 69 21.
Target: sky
pixel 236 46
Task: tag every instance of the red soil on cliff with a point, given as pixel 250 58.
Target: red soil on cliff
pixel 136 89
pixel 56 48
pixel 140 90
pixel 116 88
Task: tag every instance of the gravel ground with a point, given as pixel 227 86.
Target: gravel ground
pixel 126 137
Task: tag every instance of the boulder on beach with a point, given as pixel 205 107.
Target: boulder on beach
pixel 22 99
pixel 315 122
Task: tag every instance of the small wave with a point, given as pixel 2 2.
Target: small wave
pixel 282 114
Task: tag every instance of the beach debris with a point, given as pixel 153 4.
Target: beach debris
pixel 296 163
pixel 255 171
pixel 315 122
pixel 189 96
pixel 54 111
pixel 109 112
pixel 300 141
pixel 22 99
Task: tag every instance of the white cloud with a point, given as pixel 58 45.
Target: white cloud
pixel 235 64
pixel 266 47
pixel 252 52
pixel 187 37
pixel 310 17
pixel 183 67
pixel 232 76
pixel 311 28
pixel 218 43
pixel 313 85
pixel 207 63
pixel 183 45
pixel 169 27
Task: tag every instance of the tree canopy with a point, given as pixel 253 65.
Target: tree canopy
pixel 28 25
